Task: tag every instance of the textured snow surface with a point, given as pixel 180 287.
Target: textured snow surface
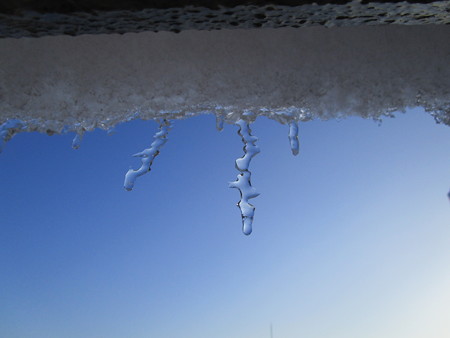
pixel 31 23
pixel 56 84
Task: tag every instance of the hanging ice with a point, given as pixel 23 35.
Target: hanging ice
pixel 148 155
pixel 243 182
pixel 219 122
pixel 293 137
pixel 77 140
pixel 8 130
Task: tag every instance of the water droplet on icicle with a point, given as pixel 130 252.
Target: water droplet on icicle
pixel 293 137
pixel 8 130
pixel 243 182
pixel 148 155
pixel 76 142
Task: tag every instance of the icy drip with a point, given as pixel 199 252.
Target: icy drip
pixel 148 155
pixel 8 130
pixel 219 122
pixel 293 137
pixel 76 142
pixel 243 182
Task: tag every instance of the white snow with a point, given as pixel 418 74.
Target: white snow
pixel 96 81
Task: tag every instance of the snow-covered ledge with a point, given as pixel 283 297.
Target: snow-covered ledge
pixel 60 83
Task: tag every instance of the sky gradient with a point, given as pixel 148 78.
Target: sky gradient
pixel 350 238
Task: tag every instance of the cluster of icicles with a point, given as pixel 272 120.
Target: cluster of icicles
pixel 242 183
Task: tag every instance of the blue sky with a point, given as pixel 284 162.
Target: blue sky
pixel 350 237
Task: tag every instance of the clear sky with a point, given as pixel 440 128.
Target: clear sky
pixel 350 240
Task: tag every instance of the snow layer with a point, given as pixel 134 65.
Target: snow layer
pixel 79 83
pixel 56 18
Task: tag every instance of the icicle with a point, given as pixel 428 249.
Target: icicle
pixel 76 143
pixel 243 182
pixel 293 137
pixel 219 122
pixel 8 130
pixel 148 155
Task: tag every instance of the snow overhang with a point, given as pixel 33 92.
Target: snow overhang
pixel 57 83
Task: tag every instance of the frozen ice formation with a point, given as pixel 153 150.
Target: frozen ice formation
pixel 219 122
pixel 148 155
pixel 243 182
pixel 8 130
pixel 64 84
pixel 293 137
pixel 76 142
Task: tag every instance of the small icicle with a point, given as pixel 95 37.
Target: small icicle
pixel 8 130
pixel 243 182
pixel 148 155
pixel 219 122
pixel 293 137
pixel 76 142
